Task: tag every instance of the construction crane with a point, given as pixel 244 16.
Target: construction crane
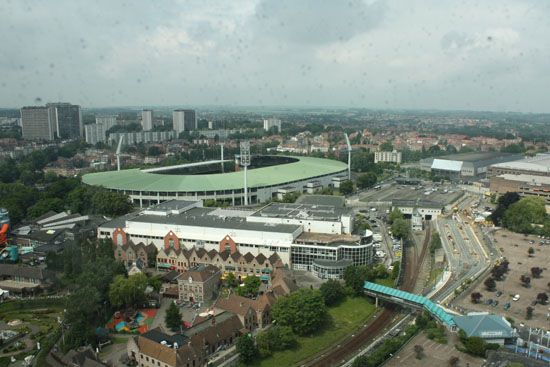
pixel 349 155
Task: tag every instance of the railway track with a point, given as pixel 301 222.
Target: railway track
pixel 368 334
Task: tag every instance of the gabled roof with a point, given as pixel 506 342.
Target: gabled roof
pixel 248 257
pixel 485 326
pixel 236 304
pixel 200 273
pixel 261 259
pixel 25 271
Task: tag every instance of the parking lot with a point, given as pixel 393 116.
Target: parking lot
pixel 514 247
pixel 434 354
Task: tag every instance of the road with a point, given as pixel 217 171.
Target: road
pixel 466 255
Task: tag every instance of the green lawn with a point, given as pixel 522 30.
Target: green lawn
pixel 345 318
pixel 388 282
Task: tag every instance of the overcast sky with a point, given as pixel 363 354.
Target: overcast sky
pixel 440 54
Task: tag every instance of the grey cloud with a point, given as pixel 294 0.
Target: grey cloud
pixel 316 21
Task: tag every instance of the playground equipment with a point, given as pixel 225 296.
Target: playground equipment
pixel 9 254
pixel 4 227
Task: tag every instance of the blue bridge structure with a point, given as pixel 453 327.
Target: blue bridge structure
pixel 410 300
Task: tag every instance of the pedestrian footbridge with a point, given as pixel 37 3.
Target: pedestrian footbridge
pixel 411 300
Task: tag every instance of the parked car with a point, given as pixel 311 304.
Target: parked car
pixel 507 306
pixel 516 297
pixel 495 303
pixel 489 301
pixel 499 293
pixel 534 303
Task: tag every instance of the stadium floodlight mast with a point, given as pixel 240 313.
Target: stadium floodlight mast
pixel 221 156
pixel 118 152
pixel 349 156
pixel 245 162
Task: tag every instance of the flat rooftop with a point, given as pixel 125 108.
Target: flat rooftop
pixel 202 217
pixel 529 179
pixel 475 157
pixel 418 203
pixel 172 205
pixel 302 211
pixel 326 238
pixel 335 201
pixel 538 163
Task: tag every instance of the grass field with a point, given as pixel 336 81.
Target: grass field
pixel 388 282
pixel 345 318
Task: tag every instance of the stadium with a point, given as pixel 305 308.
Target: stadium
pixel 268 177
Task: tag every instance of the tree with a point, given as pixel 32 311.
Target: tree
pixel 400 228
pixel 45 205
pixel 250 287
pixel 503 203
pixel 476 297
pixel 386 146
pixel 419 351
pixel 536 272
pixel 154 151
pixel 525 280
pixel 290 197
pixel 435 242
pixel 395 214
pixel 110 203
pixel 332 292
pixel 366 180
pixel 530 251
pixel 231 280
pixel 304 311
pixel 246 348
pixel 354 277
pixel 275 339
pixel 128 291
pixel 529 312
pixel 521 216
pixel 152 258
pixel 475 345
pixel 346 187
pixel 453 361
pixel 542 298
pixel 173 317
pixel 499 270
pixel 490 284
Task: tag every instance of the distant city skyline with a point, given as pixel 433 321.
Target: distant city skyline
pixel 393 54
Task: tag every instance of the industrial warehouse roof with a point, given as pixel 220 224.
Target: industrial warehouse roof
pixel 538 163
pixel 425 303
pixel 474 157
pixel 137 180
pixel 202 217
pixel 447 165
